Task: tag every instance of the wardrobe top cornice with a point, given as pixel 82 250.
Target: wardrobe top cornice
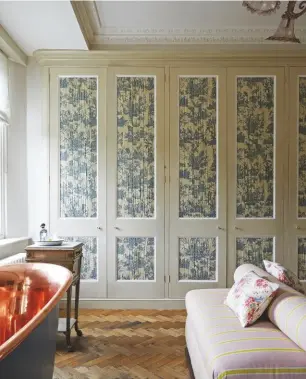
pixel 219 55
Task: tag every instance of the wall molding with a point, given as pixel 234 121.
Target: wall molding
pixel 84 20
pixel 88 18
pixel 221 55
pixel 11 49
pixel 97 36
pixel 153 36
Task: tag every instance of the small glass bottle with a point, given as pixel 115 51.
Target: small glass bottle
pixel 43 233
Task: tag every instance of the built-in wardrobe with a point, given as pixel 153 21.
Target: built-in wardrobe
pixel 173 170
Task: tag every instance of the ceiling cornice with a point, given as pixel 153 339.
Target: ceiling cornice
pixel 84 19
pixel 93 13
pixel 98 37
pixel 146 36
pixel 11 49
pixel 222 54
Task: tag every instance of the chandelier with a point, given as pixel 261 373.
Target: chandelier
pixel 285 31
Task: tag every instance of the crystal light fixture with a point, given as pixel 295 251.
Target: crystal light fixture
pixel 262 7
pixel 285 31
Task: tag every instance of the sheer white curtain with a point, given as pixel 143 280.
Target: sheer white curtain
pixel 4 122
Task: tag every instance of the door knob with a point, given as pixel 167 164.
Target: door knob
pixel 99 228
pixel 220 228
pixel 117 227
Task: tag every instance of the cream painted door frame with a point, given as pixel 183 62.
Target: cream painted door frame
pixel 296 221
pixel 78 167
pixel 197 196
pixel 219 233
pixel 256 198
pixel 135 183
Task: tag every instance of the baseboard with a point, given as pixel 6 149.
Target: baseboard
pixel 129 304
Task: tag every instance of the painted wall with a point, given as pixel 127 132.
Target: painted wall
pixel 17 182
pixel 37 152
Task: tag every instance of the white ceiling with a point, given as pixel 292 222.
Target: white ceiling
pixel 183 22
pixel 183 14
pixel 41 25
pixel 53 24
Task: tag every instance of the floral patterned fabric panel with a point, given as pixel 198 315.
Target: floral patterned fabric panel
pixel 255 145
pixel 254 250
pixel 90 256
pixel 284 275
pixel 302 149
pixel 78 146
pixel 302 258
pixel 250 297
pixel 197 258
pixel 197 147
pixel 135 258
pixel 135 147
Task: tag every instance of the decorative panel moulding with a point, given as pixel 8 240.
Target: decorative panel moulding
pixel 9 47
pixel 170 54
pixel 109 36
pixel 84 21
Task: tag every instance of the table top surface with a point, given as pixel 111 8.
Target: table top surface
pixel 64 246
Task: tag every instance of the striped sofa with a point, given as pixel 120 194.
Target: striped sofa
pixel 220 348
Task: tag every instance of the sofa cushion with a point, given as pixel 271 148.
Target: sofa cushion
pixel 246 267
pixel 250 296
pixel 284 275
pixel 288 313
pixel 233 352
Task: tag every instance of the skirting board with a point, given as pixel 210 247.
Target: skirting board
pixel 128 304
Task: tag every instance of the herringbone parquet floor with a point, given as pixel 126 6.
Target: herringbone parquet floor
pixel 126 344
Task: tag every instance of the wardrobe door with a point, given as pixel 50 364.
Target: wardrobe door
pixel 296 223
pixel 197 180
pixel 78 168
pixel 256 155
pixel 135 189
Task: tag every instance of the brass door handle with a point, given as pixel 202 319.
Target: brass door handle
pixel 220 228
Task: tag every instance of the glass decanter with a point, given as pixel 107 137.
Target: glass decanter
pixel 43 233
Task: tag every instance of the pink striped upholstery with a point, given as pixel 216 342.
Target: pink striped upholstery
pixel 230 351
pixel 287 311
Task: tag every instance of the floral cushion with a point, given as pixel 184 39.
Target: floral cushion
pixel 284 275
pixel 250 296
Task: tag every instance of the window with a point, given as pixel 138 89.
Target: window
pixel 2 178
pixel 4 122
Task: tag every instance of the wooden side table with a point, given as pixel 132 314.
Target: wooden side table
pixel 70 256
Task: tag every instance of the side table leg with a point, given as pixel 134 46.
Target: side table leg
pixel 76 309
pixel 68 330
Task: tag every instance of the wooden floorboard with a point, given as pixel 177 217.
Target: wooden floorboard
pixel 125 344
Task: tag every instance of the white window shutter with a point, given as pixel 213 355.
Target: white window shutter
pixel 4 90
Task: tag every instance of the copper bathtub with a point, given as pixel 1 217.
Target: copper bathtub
pixel 29 298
